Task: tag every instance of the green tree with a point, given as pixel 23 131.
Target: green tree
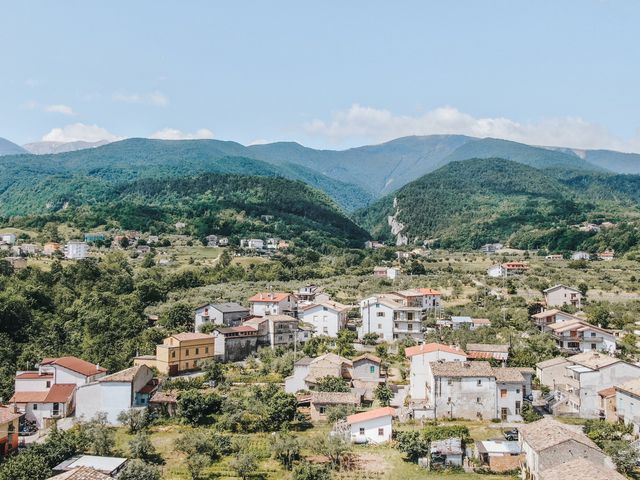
pixel 139 470
pixel 286 449
pixel 310 471
pixel 213 371
pixel 245 465
pixel 177 317
pixel 335 448
pixel 331 384
pixel 194 406
pixel 413 445
pixel 383 394
pixel 140 446
pixel 196 464
pixel 135 419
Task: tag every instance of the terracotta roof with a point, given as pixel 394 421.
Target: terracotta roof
pixel 367 356
pixel 580 469
pixel 432 347
pixel 280 318
pixel 186 336
pixel 480 355
pixel 429 291
pixel 481 321
pixel 632 386
pixel 60 393
pixel 33 376
pixel 607 392
pixel 576 324
pixel 164 397
pixel 269 297
pixel 75 364
pixel 238 329
pixel 547 313
pixel 417 292
pixel 371 414
pixel 81 473
pixel 461 369
pixel 487 347
pixel 547 433
pixel 8 415
pixel 334 398
pixel 28 397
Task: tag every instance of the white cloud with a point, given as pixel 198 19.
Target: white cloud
pixel 156 98
pixel 59 108
pixel 79 132
pixel 175 134
pixel 259 141
pixel 376 125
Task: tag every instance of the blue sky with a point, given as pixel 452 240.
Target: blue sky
pixel 327 74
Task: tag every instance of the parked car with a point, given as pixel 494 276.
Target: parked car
pixel 511 435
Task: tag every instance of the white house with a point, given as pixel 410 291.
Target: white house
pixel 507 269
pixel 225 314
pixel 252 243
pixel 628 403
pixel 581 256
pixel 9 238
pixel 49 392
pixel 560 295
pixel 374 426
pixel 549 317
pixel 387 272
pixel 327 317
pixel 420 356
pixel 76 250
pixel 115 393
pixel 575 383
pixel 272 303
pixel 580 336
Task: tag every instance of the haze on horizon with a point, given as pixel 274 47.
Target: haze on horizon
pixel 330 75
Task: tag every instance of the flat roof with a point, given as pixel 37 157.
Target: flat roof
pixel 102 464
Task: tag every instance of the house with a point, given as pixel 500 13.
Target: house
pixel 180 225
pixel 211 240
pixel 143 249
pixel 110 466
pixel 48 393
pixel 272 303
pixel 151 239
pixel 373 426
pixel 576 383
pixel 165 401
pixel 581 469
pixel 627 404
pixel 322 402
pixel 94 237
pixel 277 330
pixel 76 250
pixel 507 269
pixel 608 255
pixel 580 336
pixel 447 452
pixel 491 248
pixel 224 314
pixel 252 243
pixel 499 455
pixel 548 371
pixel 420 357
pixel 327 317
pixel 474 390
pixel 547 444
pixel 554 256
pixel 18 263
pixel 272 243
pixel 373 244
pixel 25 249
pixel 307 371
pixel 548 317
pixel 9 427
pixel 8 238
pixel 367 375
pixel 560 295
pixel 386 272
pixel 81 473
pixel 234 344
pixel 116 393
pixel 581 256
pixel 608 408
pixel 488 351
pixel 307 293
pixel 181 352
pixel 51 248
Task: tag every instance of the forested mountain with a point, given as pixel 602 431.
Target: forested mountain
pixel 44 148
pixel 468 203
pixel 227 204
pixel 10 148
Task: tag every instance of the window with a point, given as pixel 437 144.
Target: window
pixel 380 314
pixel 35 406
pixel 197 351
pixel 450 381
pixel 517 407
pixel 593 346
pixel 379 326
pixel 48 383
pixel 325 330
pixel 173 354
pixel 593 334
pixel 372 369
pixel 517 390
pixel 186 365
pixel 409 316
pixel 381 432
pixel 479 382
pixel 503 393
pixel 361 430
pixel 396 325
pixel 503 414
pixel 410 326
pixel 186 352
pixel 477 399
pixel 206 349
pixel 322 410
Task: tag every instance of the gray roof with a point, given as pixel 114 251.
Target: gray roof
pixel 461 369
pixel 229 307
pixel 508 375
pixel 548 433
pixel 335 398
pixel 449 446
pixel 487 347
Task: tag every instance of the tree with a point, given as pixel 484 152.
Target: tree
pixel 194 406
pixel 331 384
pixel 286 449
pixel 101 436
pixel 529 414
pixel 383 394
pixel 139 470
pixel 213 371
pixel 336 449
pixel 245 465
pixel 25 466
pixel 310 471
pixel 370 338
pixel 624 455
pixel 196 464
pixel 135 419
pixel 149 260
pixel 140 446
pixel 339 412
pixel 413 445
pixel 178 316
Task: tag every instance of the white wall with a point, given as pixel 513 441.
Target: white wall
pixel 420 372
pixel 325 322
pixel 376 318
pixel 514 394
pixel 109 397
pixel 628 407
pixel 592 382
pixel 35 385
pixel 295 382
pixel 371 429
pixel 468 399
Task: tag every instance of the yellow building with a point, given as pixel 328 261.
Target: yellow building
pixel 180 353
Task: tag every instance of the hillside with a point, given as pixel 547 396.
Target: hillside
pixel 468 203
pixel 44 148
pixel 10 148
pixel 225 204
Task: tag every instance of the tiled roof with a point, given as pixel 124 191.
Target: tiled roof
pixel 487 347
pixel 334 398
pixel 547 433
pixel 367 356
pixel 238 329
pixel 339 307
pixel 371 414
pixel 164 397
pixel 280 318
pixel 269 297
pixel 81 473
pixel 186 336
pixel 632 386
pixel 432 347
pixel 593 360
pixel 556 287
pixel 580 469
pixel 229 307
pixel 60 393
pixel 546 313
pixel 551 362
pixel 576 324
pixel 461 369
pixel 607 392
pixel 8 415
pixel 126 375
pixel 28 397
pixel 508 375
pixel 75 365
pixel 33 376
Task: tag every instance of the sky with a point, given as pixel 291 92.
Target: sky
pixel 328 74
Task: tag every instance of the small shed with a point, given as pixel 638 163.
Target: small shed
pixel 446 453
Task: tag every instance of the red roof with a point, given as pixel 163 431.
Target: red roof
pixel 33 376
pixel 607 392
pixel 8 415
pixel 269 297
pixel 432 347
pixel 429 291
pixel 371 414
pixel 60 393
pixel 28 397
pixel 515 265
pixel 75 364
pixel 480 354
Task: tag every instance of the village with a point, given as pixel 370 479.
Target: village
pixel 370 374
